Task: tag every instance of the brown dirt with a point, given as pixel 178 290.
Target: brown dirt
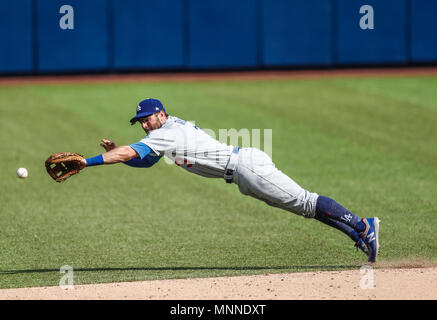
pixel 388 284
pixel 218 76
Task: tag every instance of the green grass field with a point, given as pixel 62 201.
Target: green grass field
pixel 369 143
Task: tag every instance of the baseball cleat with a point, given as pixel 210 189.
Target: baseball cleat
pixel 362 246
pixel 370 237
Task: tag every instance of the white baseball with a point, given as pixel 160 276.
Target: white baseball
pixel 22 173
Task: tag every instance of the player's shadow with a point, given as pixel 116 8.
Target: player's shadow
pixel 236 268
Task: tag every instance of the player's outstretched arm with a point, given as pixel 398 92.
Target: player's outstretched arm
pixel 119 154
pixel 112 155
pixel 61 166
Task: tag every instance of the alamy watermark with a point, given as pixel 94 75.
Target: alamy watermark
pixel 67 20
pixel 367 20
pixel 193 148
pixel 367 281
pixel 67 281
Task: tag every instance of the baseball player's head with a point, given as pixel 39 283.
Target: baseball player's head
pixel 151 115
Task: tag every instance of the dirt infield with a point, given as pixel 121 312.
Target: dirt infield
pixel 218 76
pixel 363 284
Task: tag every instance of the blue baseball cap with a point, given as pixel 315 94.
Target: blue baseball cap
pixel 146 108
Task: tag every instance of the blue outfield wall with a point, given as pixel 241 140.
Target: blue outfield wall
pixel 86 47
pixel 16 48
pixel 112 35
pixel 297 32
pixel 222 33
pixel 385 44
pixel 423 30
pixel 148 34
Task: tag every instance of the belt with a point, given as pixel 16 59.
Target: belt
pixel 232 165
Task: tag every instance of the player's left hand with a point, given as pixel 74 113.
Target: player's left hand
pixel 108 145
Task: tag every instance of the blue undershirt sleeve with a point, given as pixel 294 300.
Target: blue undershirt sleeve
pixel 141 148
pixel 146 160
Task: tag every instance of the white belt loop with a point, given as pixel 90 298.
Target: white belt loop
pixel 231 166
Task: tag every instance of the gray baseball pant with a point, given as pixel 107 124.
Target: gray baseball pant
pixel 257 176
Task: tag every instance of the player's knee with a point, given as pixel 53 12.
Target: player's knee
pixel 305 206
pixel 304 211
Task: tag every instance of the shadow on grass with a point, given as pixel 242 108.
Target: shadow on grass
pixel 242 268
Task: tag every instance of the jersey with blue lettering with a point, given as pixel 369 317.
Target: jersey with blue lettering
pixel 188 146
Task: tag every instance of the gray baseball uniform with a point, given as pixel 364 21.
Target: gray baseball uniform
pixel 251 169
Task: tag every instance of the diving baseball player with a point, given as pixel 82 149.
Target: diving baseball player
pixel 250 168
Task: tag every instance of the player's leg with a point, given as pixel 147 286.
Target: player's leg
pixel 331 212
pixel 278 190
pixel 258 177
pixel 264 181
pixel 349 231
pixel 327 208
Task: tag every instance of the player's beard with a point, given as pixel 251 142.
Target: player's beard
pixel 155 126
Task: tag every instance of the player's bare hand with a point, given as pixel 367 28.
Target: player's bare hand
pixel 108 145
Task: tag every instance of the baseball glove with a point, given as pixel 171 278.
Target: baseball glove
pixel 63 165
